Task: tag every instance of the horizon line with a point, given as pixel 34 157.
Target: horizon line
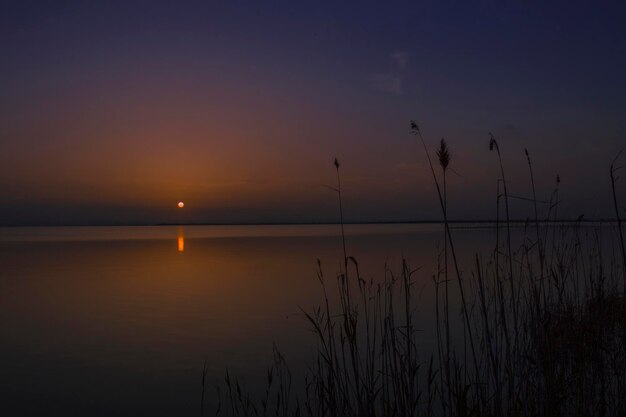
pixel 320 223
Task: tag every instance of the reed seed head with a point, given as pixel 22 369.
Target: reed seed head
pixel 414 127
pixel 336 163
pixel 492 142
pixel 443 153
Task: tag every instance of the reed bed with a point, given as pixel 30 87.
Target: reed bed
pixel 541 331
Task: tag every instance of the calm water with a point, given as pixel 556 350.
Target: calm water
pixel 103 321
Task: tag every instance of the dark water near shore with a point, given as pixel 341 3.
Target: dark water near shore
pixel 118 321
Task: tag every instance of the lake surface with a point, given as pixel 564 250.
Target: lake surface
pixel 102 321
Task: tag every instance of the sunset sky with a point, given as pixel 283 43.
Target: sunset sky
pixel 113 112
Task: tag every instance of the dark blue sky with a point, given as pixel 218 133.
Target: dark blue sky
pixel 111 112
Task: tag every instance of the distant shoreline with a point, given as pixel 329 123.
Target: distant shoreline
pixel 483 222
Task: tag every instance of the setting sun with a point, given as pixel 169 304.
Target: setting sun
pixel 181 204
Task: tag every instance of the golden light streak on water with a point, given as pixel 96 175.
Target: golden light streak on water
pixel 181 240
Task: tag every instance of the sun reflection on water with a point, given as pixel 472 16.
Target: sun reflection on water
pixel 181 240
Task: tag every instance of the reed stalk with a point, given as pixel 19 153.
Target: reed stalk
pixel 612 172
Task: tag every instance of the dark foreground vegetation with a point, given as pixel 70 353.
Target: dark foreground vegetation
pixel 542 330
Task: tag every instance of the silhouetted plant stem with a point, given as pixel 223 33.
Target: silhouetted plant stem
pixel 493 144
pixel 488 336
pixel 416 131
pixel 343 235
pixel 443 154
pixel 346 282
pixel 539 242
pixel 619 219
pixel 537 290
pixel 556 206
pixel 496 255
pixel 349 319
pixel 439 342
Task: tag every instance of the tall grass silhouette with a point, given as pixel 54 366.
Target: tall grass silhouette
pixel 544 319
